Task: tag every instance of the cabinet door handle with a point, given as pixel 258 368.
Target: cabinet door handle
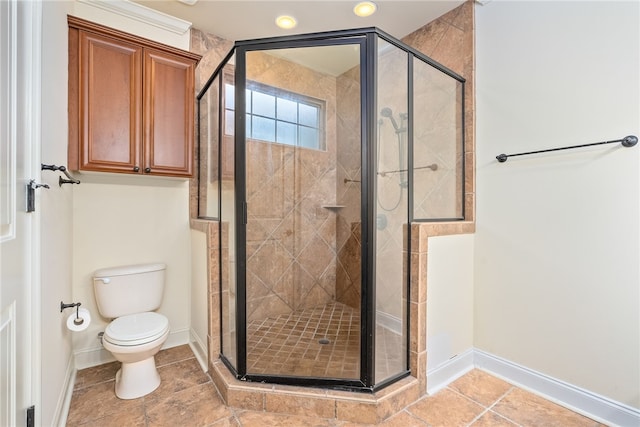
pixel 147 170
pixel 136 169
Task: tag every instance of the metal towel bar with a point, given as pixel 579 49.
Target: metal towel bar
pixel 627 141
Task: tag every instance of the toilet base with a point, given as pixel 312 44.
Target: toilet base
pixel 137 379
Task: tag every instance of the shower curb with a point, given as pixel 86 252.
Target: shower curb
pixel 356 407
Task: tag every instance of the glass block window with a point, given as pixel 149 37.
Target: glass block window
pixel 280 116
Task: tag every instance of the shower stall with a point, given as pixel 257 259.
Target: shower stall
pixel 316 153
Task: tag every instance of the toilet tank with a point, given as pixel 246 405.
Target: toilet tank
pixel 129 289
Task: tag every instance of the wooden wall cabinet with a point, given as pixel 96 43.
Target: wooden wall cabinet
pixel 131 103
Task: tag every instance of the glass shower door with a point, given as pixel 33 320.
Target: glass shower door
pixel 326 147
pixel 302 158
pixel 392 212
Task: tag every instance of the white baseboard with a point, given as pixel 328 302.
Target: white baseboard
pixel 443 375
pixel 592 405
pixel 199 349
pixel 62 409
pixel 389 321
pixel 99 356
pixel 92 357
pixel 177 338
pixel 582 401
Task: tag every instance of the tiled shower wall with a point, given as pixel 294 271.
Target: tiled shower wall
pixel 348 272
pixel 450 41
pixel 311 255
pixel 291 235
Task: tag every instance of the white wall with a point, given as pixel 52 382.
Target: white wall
pixel 100 222
pixel 130 220
pixel 119 220
pixel 449 298
pixel 55 208
pixel 557 246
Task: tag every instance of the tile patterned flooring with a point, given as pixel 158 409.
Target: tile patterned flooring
pixel 290 344
pixel 187 397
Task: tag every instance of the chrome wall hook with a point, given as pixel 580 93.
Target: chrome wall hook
pixel 61 180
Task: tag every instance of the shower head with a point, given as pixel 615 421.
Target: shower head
pixel 388 113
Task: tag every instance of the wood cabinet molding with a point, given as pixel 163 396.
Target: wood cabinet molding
pixel 83 24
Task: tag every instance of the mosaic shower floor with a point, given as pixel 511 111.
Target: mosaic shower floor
pixel 320 342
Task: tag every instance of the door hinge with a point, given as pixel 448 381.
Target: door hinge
pixel 31 416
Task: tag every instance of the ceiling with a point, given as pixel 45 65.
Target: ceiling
pixel 245 19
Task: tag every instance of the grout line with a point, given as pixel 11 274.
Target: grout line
pixel 174 362
pixel 411 414
pixel 499 399
pixel 486 408
pixel 93 384
pixel 490 407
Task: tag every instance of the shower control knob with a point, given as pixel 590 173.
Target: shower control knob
pixel 136 169
pixel 147 170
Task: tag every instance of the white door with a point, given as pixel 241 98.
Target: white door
pixel 18 142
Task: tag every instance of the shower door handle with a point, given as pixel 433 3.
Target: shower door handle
pixel 244 213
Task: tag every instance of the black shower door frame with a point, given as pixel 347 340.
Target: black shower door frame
pixel 367 40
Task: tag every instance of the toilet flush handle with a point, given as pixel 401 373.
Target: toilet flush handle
pixel 105 280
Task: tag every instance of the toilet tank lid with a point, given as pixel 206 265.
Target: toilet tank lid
pixel 129 269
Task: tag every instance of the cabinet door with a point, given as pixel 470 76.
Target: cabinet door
pixel 168 114
pixel 110 73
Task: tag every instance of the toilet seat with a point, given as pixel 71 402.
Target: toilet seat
pixel 136 329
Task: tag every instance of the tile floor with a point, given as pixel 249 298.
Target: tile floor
pixel 323 341
pixel 291 344
pixel 187 397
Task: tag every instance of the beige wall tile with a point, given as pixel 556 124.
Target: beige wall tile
pixel 300 405
pixel 357 412
pixel 253 400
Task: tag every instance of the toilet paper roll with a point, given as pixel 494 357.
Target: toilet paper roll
pixel 79 321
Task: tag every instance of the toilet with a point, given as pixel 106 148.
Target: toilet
pixel 128 296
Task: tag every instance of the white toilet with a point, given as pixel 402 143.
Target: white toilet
pixel 128 295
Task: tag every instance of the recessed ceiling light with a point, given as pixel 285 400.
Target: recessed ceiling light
pixel 188 2
pixel 286 22
pixel 365 8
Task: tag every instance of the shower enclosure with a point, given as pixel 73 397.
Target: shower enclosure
pixel 316 152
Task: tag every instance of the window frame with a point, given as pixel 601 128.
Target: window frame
pixel 280 93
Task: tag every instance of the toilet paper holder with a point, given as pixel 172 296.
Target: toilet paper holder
pixel 78 320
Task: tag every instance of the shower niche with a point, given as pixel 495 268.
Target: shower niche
pixel 316 153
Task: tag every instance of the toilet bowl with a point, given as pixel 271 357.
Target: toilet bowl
pixel 134 340
pixel 128 296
